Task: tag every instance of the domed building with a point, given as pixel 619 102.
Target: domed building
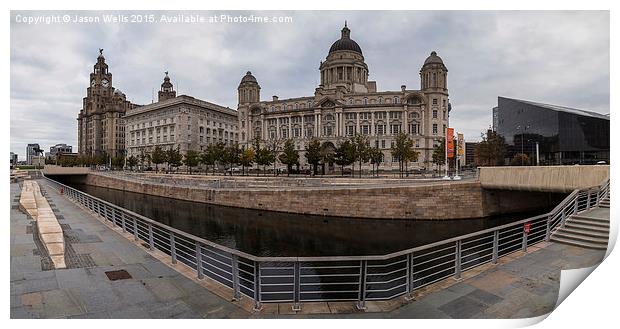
pixel 346 103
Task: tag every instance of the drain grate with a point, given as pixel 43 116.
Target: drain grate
pixel 118 275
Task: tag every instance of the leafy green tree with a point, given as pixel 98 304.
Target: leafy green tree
pixel 313 154
pixel 289 155
pixel 231 156
pixel 174 158
pixel 439 153
pixel 344 155
pixel 275 147
pixel 158 157
pixel 209 157
pixel 246 159
pixel 132 161
pixel 376 157
pixel 403 151
pixel 263 155
pixel 491 150
pixel 360 150
pixel 191 159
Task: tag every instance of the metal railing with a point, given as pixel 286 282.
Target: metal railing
pixel 338 278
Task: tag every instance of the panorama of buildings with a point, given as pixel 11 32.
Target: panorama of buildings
pixel 345 103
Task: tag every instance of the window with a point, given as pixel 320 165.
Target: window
pixel 380 100
pixel 350 130
pixel 434 101
pixel 380 130
pixel 365 129
pixel 434 114
pixel 383 143
pixel 434 129
pixel 396 100
pixel 349 116
pixel 328 130
pixel 394 129
pixel 365 101
pixel 309 132
pixel 414 129
pixel 296 132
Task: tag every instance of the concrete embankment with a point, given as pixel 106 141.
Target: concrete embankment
pixel 424 201
pixel 34 204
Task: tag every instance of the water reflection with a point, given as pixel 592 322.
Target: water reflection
pixel 265 233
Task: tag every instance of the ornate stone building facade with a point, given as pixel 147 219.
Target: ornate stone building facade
pixel 347 103
pixel 101 127
pixel 178 121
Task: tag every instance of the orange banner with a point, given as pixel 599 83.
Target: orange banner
pixel 450 142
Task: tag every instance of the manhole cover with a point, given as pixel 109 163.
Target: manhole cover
pixel 118 275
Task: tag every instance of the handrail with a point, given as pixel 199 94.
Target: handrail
pixel 572 204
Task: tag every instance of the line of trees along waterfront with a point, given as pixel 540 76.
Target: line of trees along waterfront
pixel 352 152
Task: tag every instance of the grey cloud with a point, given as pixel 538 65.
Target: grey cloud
pixel 551 56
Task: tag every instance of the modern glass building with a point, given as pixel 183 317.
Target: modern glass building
pixel 564 135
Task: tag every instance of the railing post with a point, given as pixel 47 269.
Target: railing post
pixel 457 260
pixel 113 216
pixel 548 229
pixel 257 298
pixel 135 229
pixel 173 248
pixel 361 302
pixel 151 242
pixel 199 261
pixel 495 246
pixel 235 277
pixel 123 223
pixel 296 286
pixel 588 200
pixel 409 295
pixel 576 210
pixel 524 242
pixel 563 217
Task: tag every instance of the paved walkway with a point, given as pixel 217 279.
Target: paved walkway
pixel 522 285
pixel 83 290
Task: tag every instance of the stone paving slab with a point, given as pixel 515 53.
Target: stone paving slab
pixel 520 285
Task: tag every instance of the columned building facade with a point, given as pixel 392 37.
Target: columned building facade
pixel 346 103
pixel 182 122
pixel 101 128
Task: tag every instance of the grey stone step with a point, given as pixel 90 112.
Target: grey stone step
pixel 590 222
pixel 589 219
pixel 594 234
pixel 580 238
pixel 604 206
pixel 587 227
pixel 579 244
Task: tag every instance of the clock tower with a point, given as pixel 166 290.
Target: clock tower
pixel 101 130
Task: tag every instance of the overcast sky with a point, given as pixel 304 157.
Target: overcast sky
pixel 559 58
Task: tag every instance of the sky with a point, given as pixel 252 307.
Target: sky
pixel 555 57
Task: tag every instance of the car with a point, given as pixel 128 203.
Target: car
pixel 601 162
pixel 233 170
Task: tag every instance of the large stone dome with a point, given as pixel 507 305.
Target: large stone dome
pixel 345 42
pixel 433 59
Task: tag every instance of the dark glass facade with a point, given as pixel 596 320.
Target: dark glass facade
pixel 563 135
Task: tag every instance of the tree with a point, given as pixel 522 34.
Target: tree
pixel 158 157
pixel 439 153
pixel 275 147
pixel 289 155
pixel 209 157
pixel 118 162
pixel 263 156
pixel 144 158
pixel 376 157
pixel 132 161
pixel 520 159
pixel 230 156
pixel 191 159
pixel 344 155
pixel 403 151
pixel 360 147
pixel 174 158
pixel 246 159
pixel 313 154
pixel 491 150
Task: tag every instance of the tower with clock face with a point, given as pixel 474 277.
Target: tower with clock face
pixel 100 121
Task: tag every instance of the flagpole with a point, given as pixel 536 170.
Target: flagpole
pixel 456 158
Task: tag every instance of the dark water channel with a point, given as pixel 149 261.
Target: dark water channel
pixel 264 233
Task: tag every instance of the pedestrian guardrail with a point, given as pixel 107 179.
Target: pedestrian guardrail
pixel 337 278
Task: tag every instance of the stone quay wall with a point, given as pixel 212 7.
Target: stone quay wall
pixel 431 202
